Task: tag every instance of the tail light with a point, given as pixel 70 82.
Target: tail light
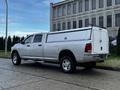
pixel 88 48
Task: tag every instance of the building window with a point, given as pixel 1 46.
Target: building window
pixel 86 5
pixel 63 10
pixel 101 23
pixel 100 3
pixel 74 24
pixel 69 25
pixel 54 27
pixel 109 21
pixel 93 21
pixel 54 12
pixel 117 2
pixel 63 26
pixel 74 8
pixel 58 27
pixel 80 5
pixel 69 9
pixel 93 4
pixel 86 22
pixel 80 23
pixel 58 11
pixel 117 20
pixel 109 3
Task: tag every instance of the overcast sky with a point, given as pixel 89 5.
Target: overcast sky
pixel 25 16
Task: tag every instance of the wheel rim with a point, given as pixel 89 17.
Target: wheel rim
pixel 66 65
pixel 14 58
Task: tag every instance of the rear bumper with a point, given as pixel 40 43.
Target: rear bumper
pixel 94 57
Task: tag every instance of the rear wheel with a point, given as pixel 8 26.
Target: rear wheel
pixel 67 64
pixel 16 60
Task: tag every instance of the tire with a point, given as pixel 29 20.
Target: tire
pixel 16 60
pixel 67 64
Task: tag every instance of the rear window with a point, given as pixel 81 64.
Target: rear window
pixel 70 36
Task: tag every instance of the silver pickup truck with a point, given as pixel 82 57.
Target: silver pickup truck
pixel 69 48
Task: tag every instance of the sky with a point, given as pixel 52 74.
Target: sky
pixel 26 16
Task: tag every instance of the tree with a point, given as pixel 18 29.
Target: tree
pixel 17 39
pixel 0 43
pixel 118 43
pixel 22 38
pixel 13 42
pixel 9 43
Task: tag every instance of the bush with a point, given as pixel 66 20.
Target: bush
pixel 118 43
pixel 113 50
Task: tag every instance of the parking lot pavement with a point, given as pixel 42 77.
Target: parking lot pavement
pixel 36 76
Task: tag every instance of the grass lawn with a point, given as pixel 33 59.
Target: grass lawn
pixel 2 54
pixel 112 61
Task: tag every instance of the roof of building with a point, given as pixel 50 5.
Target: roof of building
pixel 62 2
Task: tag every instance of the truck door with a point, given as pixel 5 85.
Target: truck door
pixel 37 46
pixel 27 46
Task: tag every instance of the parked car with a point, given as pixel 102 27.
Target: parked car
pixel 83 46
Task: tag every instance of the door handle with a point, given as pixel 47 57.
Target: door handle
pixel 28 45
pixel 39 45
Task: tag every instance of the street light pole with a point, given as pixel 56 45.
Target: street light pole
pixel 6 31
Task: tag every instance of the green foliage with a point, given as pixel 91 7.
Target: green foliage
pixel 3 55
pixel 112 61
pixel 10 42
pixel 22 39
pixel 2 43
pixel 118 43
pixel 113 49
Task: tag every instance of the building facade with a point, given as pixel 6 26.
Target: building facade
pixel 70 14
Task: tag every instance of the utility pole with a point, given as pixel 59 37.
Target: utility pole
pixel 6 31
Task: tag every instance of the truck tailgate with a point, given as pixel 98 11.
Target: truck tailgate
pixel 100 43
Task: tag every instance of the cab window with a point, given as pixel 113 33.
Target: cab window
pixel 28 39
pixel 37 38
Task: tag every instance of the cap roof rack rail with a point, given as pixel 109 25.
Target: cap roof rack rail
pixel 96 26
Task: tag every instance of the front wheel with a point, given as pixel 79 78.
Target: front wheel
pixel 67 64
pixel 16 60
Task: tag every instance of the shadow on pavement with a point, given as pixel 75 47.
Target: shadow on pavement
pixel 55 68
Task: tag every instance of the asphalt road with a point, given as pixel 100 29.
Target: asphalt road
pixel 35 76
